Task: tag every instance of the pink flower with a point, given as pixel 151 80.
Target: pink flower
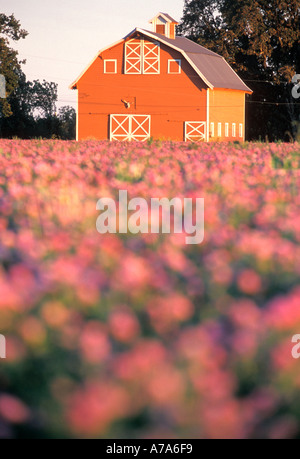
pixel 94 343
pixel 13 409
pixel 123 325
pixel 249 282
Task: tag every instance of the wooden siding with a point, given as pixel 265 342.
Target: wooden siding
pixel 227 106
pixel 170 99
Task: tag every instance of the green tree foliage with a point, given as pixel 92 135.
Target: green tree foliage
pixel 33 106
pixel 10 29
pixel 67 118
pixel 43 98
pixel 261 40
pixel 29 109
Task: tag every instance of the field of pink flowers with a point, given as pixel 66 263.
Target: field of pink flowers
pixel 143 336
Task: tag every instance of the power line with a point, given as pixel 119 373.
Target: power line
pixel 190 76
pixel 198 107
pixel 267 103
pixel 55 59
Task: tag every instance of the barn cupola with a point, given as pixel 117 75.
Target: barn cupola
pixel 163 24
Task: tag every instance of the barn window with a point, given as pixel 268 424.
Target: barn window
pixel 110 66
pixel 219 129
pixel 142 56
pixel 151 57
pixel 233 130
pixel 226 129
pixel 241 130
pixel 174 66
pixel 133 56
pixel 161 28
pixel 212 129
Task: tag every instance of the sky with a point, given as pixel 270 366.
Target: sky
pixel 65 35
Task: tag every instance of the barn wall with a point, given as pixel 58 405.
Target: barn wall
pixel 170 99
pixel 227 106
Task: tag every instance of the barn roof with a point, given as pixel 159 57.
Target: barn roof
pixel 211 67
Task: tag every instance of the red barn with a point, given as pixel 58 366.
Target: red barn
pixel 156 84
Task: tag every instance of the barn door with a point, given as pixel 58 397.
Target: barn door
pixel 195 131
pixel 130 127
pixel 133 56
pixel 151 57
pixel 141 56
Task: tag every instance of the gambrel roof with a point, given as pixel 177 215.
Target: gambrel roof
pixel 211 67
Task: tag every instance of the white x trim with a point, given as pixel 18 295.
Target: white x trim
pixel 151 52
pixel 142 56
pixel 195 131
pixel 130 127
pixel 133 56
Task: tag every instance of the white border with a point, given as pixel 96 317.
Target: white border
pixel 129 117
pixel 140 43
pixel 189 137
pixel 158 58
pixel 104 66
pixel 219 130
pixel 77 117
pixel 233 129
pixel 207 114
pixel 226 130
pixel 179 64
pixel 241 130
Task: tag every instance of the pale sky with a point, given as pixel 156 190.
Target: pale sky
pixel 64 35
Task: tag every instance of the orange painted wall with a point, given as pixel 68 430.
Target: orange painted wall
pixel 170 99
pixel 227 106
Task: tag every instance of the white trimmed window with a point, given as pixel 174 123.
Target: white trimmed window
pixel 226 129
pixel 241 130
pixel 212 129
pixel 174 66
pixel 219 129
pixel 142 57
pixel 233 130
pixel 110 65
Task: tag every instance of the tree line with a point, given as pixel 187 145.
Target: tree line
pixel 28 109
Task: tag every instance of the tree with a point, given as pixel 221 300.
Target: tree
pixel 33 106
pixel 261 40
pixel 29 109
pixel 43 98
pixel 67 118
pixel 10 28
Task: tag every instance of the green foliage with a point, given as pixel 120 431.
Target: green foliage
pixel 67 118
pixel 29 109
pixel 10 29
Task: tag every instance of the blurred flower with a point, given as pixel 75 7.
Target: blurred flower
pixel 13 409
